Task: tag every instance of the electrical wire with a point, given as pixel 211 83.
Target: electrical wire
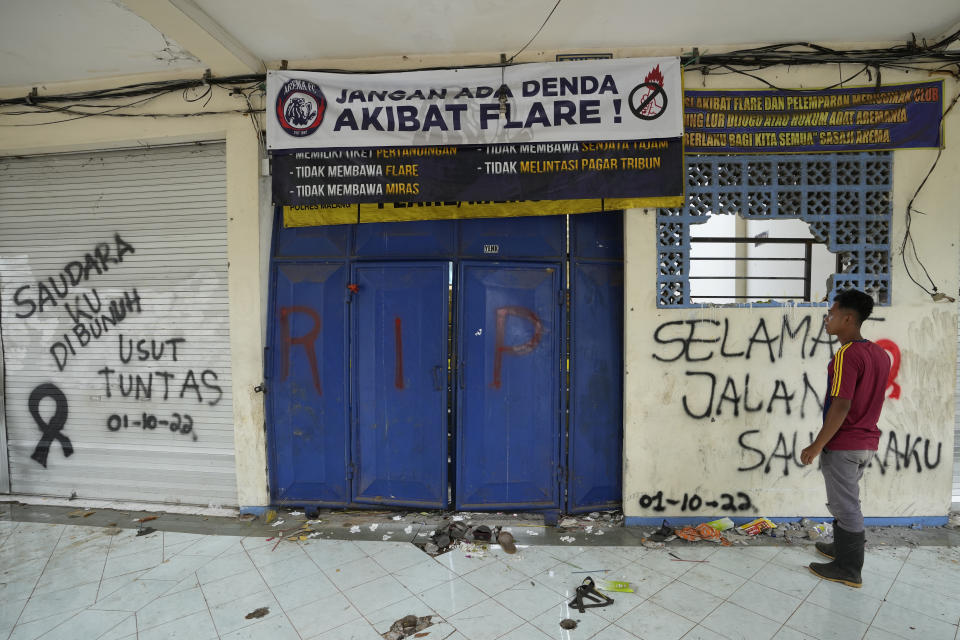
pixel 533 37
pixel 133 90
pixel 908 218
pixel 81 115
pixel 86 106
pixel 904 57
pixel 258 128
pixel 773 86
pixel 208 93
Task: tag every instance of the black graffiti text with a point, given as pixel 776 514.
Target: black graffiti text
pixel 701 340
pixel 906 458
pixel 39 297
pixel 706 398
pixel 726 503
pixel 93 321
pixel 177 423
pixel 163 385
pixel 147 349
pixel 916 453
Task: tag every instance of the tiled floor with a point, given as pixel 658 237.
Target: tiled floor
pixel 79 582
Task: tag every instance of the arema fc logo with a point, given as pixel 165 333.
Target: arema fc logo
pixel 300 107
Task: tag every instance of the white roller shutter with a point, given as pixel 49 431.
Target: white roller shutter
pixel 113 286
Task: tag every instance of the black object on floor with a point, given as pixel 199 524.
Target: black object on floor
pixel 661 534
pixel 587 591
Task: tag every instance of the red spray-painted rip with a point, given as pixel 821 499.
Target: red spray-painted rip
pixel 516 350
pixel 307 341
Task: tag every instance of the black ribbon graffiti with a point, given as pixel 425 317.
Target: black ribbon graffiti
pixel 51 430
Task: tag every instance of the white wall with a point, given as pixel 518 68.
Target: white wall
pixel 751 454
pixel 243 232
pixel 665 449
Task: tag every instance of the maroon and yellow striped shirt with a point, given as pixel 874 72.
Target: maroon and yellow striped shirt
pixel 858 372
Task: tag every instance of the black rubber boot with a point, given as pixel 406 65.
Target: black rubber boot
pixel 828 549
pixel 846 567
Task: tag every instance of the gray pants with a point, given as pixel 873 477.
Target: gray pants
pixel 842 471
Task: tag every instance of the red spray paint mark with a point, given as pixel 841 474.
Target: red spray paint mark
pixel 516 350
pixel 891 347
pixel 398 341
pixel 307 341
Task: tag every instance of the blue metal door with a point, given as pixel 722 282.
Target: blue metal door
pixel 596 411
pixel 508 412
pixel 400 319
pixel 595 432
pixel 307 385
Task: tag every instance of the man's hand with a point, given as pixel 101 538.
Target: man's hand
pixel 809 454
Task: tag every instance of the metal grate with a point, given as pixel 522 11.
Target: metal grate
pixel 844 197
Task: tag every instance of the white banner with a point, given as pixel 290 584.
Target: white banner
pixel 622 99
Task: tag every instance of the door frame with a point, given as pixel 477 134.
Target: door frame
pixel 456 254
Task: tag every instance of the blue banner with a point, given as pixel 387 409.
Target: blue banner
pixel 905 116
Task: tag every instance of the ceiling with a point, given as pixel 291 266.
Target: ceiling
pixel 50 41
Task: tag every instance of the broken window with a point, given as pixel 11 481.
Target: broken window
pixel 776 229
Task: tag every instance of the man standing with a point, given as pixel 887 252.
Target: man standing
pixel 856 381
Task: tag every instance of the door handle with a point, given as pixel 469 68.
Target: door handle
pixel 436 378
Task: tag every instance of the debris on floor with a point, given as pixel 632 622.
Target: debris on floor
pixel 620 586
pixel 568 624
pixel 679 559
pixel 755 527
pixel 595 522
pixel 702 532
pixel 587 596
pixel 257 613
pixel 506 542
pixel 298 534
pixel 457 533
pixel 408 626
pixel 722 524
pixel 663 534
pixel 145 531
pixel 80 513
